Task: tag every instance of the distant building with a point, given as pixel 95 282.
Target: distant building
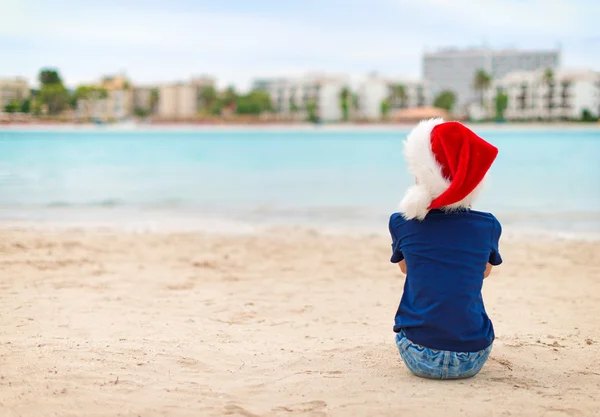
pixel 177 101
pixel 120 104
pixel 142 99
pixel 182 100
pixel 532 96
pixel 400 94
pixel 92 109
pixel 115 82
pixel 12 89
pixel 116 104
pixel 291 97
pixel 454 69
pixel 120 97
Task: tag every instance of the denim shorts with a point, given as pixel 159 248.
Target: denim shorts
pixel 440 364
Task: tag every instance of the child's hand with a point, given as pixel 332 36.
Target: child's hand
pixel 488 270
pixel 402 265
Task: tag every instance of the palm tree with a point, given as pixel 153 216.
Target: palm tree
pixel 445 100
pixel 399 95
pixel 293 106
pixel 345 96
pixel 385 108
pixel 311 110
pixel 548 79
pixel 481 82
pixel 154 97
pixel 208 97
pixel 501 101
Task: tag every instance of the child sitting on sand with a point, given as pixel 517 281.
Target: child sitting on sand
pixel 446 250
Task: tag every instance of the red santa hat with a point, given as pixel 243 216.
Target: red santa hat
pixel 449 163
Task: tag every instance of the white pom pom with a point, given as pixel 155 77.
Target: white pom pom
pixel 415 202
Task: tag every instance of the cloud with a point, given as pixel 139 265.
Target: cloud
pixel 514 18
pixel 155 41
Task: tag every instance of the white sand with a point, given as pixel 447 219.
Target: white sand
pixel 283 323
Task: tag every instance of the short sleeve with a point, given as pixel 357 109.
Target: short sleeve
pixel 395 221
pixel 495 258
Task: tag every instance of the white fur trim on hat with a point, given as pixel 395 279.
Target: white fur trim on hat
pixel 424 167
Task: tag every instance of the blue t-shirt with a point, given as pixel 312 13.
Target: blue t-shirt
pixel 446 255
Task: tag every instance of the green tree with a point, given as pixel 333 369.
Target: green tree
pixel 229 96
pixel 226 100
pixel 481 82
pixel 587 116
pixel 216 108
pixel 12 107
pixel 89 93
pixel 399 95
pixel 345 97
pixel 36 107
pixel 548 79
pixel 26 106
pixel 311 110
pixel 92 92
pixel 49 76
pixel 293 106
pixel 141 113
pixel 548 76
pixel 255 103
pixel 385 108
pixel 55 96
pixel 154 96
pixel 52 93
pixel 501 101
pixel 208 98
pixel 445 100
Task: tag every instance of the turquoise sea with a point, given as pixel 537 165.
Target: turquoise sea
pixel 543 180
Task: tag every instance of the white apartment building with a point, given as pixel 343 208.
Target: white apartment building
pixel 177 101
pixel 374 90
pixel 13 89
pixel 182 100
pixel 532 96
pixel 120 104
pixel 116 106
pixel 291 96
pixel 454 69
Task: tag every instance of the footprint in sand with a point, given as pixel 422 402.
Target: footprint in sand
pixel 314 407
pixel 236 410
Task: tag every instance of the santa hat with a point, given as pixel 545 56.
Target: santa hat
pixel 449 162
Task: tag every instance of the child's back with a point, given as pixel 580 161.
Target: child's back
pixel 446 256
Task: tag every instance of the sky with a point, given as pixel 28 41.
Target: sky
pixel 236 41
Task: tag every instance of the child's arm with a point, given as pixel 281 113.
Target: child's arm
pixel 402 265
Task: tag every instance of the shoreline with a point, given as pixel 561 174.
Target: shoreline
pixel 267 127
pixel 219 227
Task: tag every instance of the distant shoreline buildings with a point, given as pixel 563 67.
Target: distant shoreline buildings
pixel 478 84
pixel 316 96
pixel 533 95
pixel 454 69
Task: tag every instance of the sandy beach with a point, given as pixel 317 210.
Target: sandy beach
pixel 284 322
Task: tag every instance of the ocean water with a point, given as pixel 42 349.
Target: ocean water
pixel 542 180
